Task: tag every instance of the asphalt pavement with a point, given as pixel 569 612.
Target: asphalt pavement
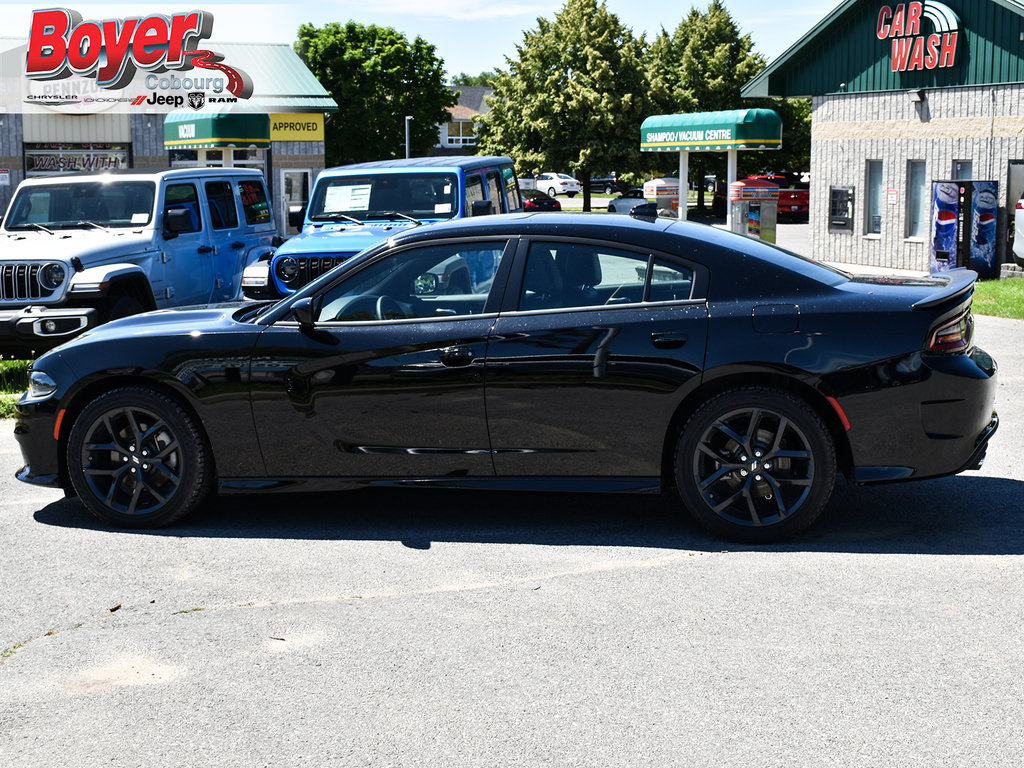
pixel 420 628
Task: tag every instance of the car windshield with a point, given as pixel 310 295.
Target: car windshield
pixel 371 196
pixel 83 204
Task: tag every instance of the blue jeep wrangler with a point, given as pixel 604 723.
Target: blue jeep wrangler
pixel 355 206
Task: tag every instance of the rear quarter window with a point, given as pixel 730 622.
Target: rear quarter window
pixel 254 201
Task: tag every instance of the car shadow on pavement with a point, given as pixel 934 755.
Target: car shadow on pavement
pixel 958 515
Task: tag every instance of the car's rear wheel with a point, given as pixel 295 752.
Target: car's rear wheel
pixel 137 459
pixel 755 464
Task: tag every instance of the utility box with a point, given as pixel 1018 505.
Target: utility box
pixel 754 207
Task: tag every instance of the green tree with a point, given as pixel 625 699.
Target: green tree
pixel 377 77
pixel 484 79
pixel 574 97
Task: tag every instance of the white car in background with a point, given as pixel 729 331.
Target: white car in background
pixel 551 184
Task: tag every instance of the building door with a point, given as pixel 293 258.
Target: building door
pixel 294 186
pixel 1014 189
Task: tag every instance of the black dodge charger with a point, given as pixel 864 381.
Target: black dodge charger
pixel 544 352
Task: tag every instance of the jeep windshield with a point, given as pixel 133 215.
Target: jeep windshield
pixel 104 203
pixel 401 195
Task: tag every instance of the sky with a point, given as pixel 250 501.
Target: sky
pixel 471 36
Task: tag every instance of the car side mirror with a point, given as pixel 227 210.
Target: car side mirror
pixel 424 284
pixel 176 221
pixel 482 208
pixel 296 216
pixel 303 311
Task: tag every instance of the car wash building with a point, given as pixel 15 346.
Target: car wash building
pixel 906 96
pixel 73 126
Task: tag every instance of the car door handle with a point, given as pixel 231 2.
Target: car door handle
pixel 238 244
pixel 668 340
pixel 456 356
pixel 204 249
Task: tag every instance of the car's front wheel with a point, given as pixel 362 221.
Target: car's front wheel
pixel 755 465
pixel 552 192
pixel 137 459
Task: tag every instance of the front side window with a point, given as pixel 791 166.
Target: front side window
pixel 562 275
pixel 183 197
pixel 436 281
pixel 873 210
pixel 494 190
pixel 474 190
pixel 80 205
pixel 383 195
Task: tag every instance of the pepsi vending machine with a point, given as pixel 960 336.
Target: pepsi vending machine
pixel 964 226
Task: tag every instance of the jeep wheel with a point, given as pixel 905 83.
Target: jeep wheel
pixel 137 459
pixel 115 307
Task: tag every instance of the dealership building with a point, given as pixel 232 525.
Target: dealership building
pixel 906 94
pixel 278 130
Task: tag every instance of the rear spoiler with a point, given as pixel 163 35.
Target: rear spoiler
pixel 960 285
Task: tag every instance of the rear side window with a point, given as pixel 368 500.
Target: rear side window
pixel 221 203
pixel 513 202
pixel 254 201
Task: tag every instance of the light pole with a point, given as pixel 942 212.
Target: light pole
pixel 408 119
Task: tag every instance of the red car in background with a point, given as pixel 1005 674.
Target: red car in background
pixel 794 194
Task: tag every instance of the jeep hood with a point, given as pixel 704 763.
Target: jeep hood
pixel 92 246
pixel 351 239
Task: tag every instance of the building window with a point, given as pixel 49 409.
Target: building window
pixel 461 132
pixel 873 209
pixel 917 214
pixel 840 209
pixel 963 170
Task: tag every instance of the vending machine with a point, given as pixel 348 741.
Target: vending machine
pixel 964 226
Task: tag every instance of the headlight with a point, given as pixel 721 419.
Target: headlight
pixel 51 276
pixel 287 269
pixel 40 385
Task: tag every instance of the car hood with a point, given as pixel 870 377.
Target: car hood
pixel 88 244
pixel 195 322
pixel 351 239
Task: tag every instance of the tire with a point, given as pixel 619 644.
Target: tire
pixel 608 189
pixel 755 465
pixel 552 193
pixel 570 194
pixel 137 460
pixel 115 307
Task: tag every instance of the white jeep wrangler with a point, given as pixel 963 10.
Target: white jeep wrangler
pixel 79 250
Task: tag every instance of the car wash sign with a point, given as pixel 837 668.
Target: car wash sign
pixel 924 36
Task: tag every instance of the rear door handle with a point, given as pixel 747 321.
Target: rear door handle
pixel 204 249
pixel 456 356
pixel 238 244
pixel 668 340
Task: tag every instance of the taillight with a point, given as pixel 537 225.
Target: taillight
pixel 1020 205
pixel 953 336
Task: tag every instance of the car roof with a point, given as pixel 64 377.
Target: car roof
pixel 467 162
pixel 140 173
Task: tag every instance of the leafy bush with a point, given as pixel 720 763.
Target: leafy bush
pixel 13 376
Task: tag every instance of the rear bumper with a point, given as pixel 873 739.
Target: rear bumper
pixel 930 416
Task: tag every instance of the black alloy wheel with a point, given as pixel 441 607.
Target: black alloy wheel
pixel 755 465
pixel 137 460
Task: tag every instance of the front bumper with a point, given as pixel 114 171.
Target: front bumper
pixel 37 329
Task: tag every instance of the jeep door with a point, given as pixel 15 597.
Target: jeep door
pixel 188 252
pixel 230 238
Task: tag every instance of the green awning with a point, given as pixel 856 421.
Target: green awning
pixel 712 131
pixel 201 131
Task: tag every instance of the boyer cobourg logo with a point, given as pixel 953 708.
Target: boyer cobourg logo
pixel 167 50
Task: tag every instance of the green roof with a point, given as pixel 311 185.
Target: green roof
pixel 842 53
pixel 712 131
